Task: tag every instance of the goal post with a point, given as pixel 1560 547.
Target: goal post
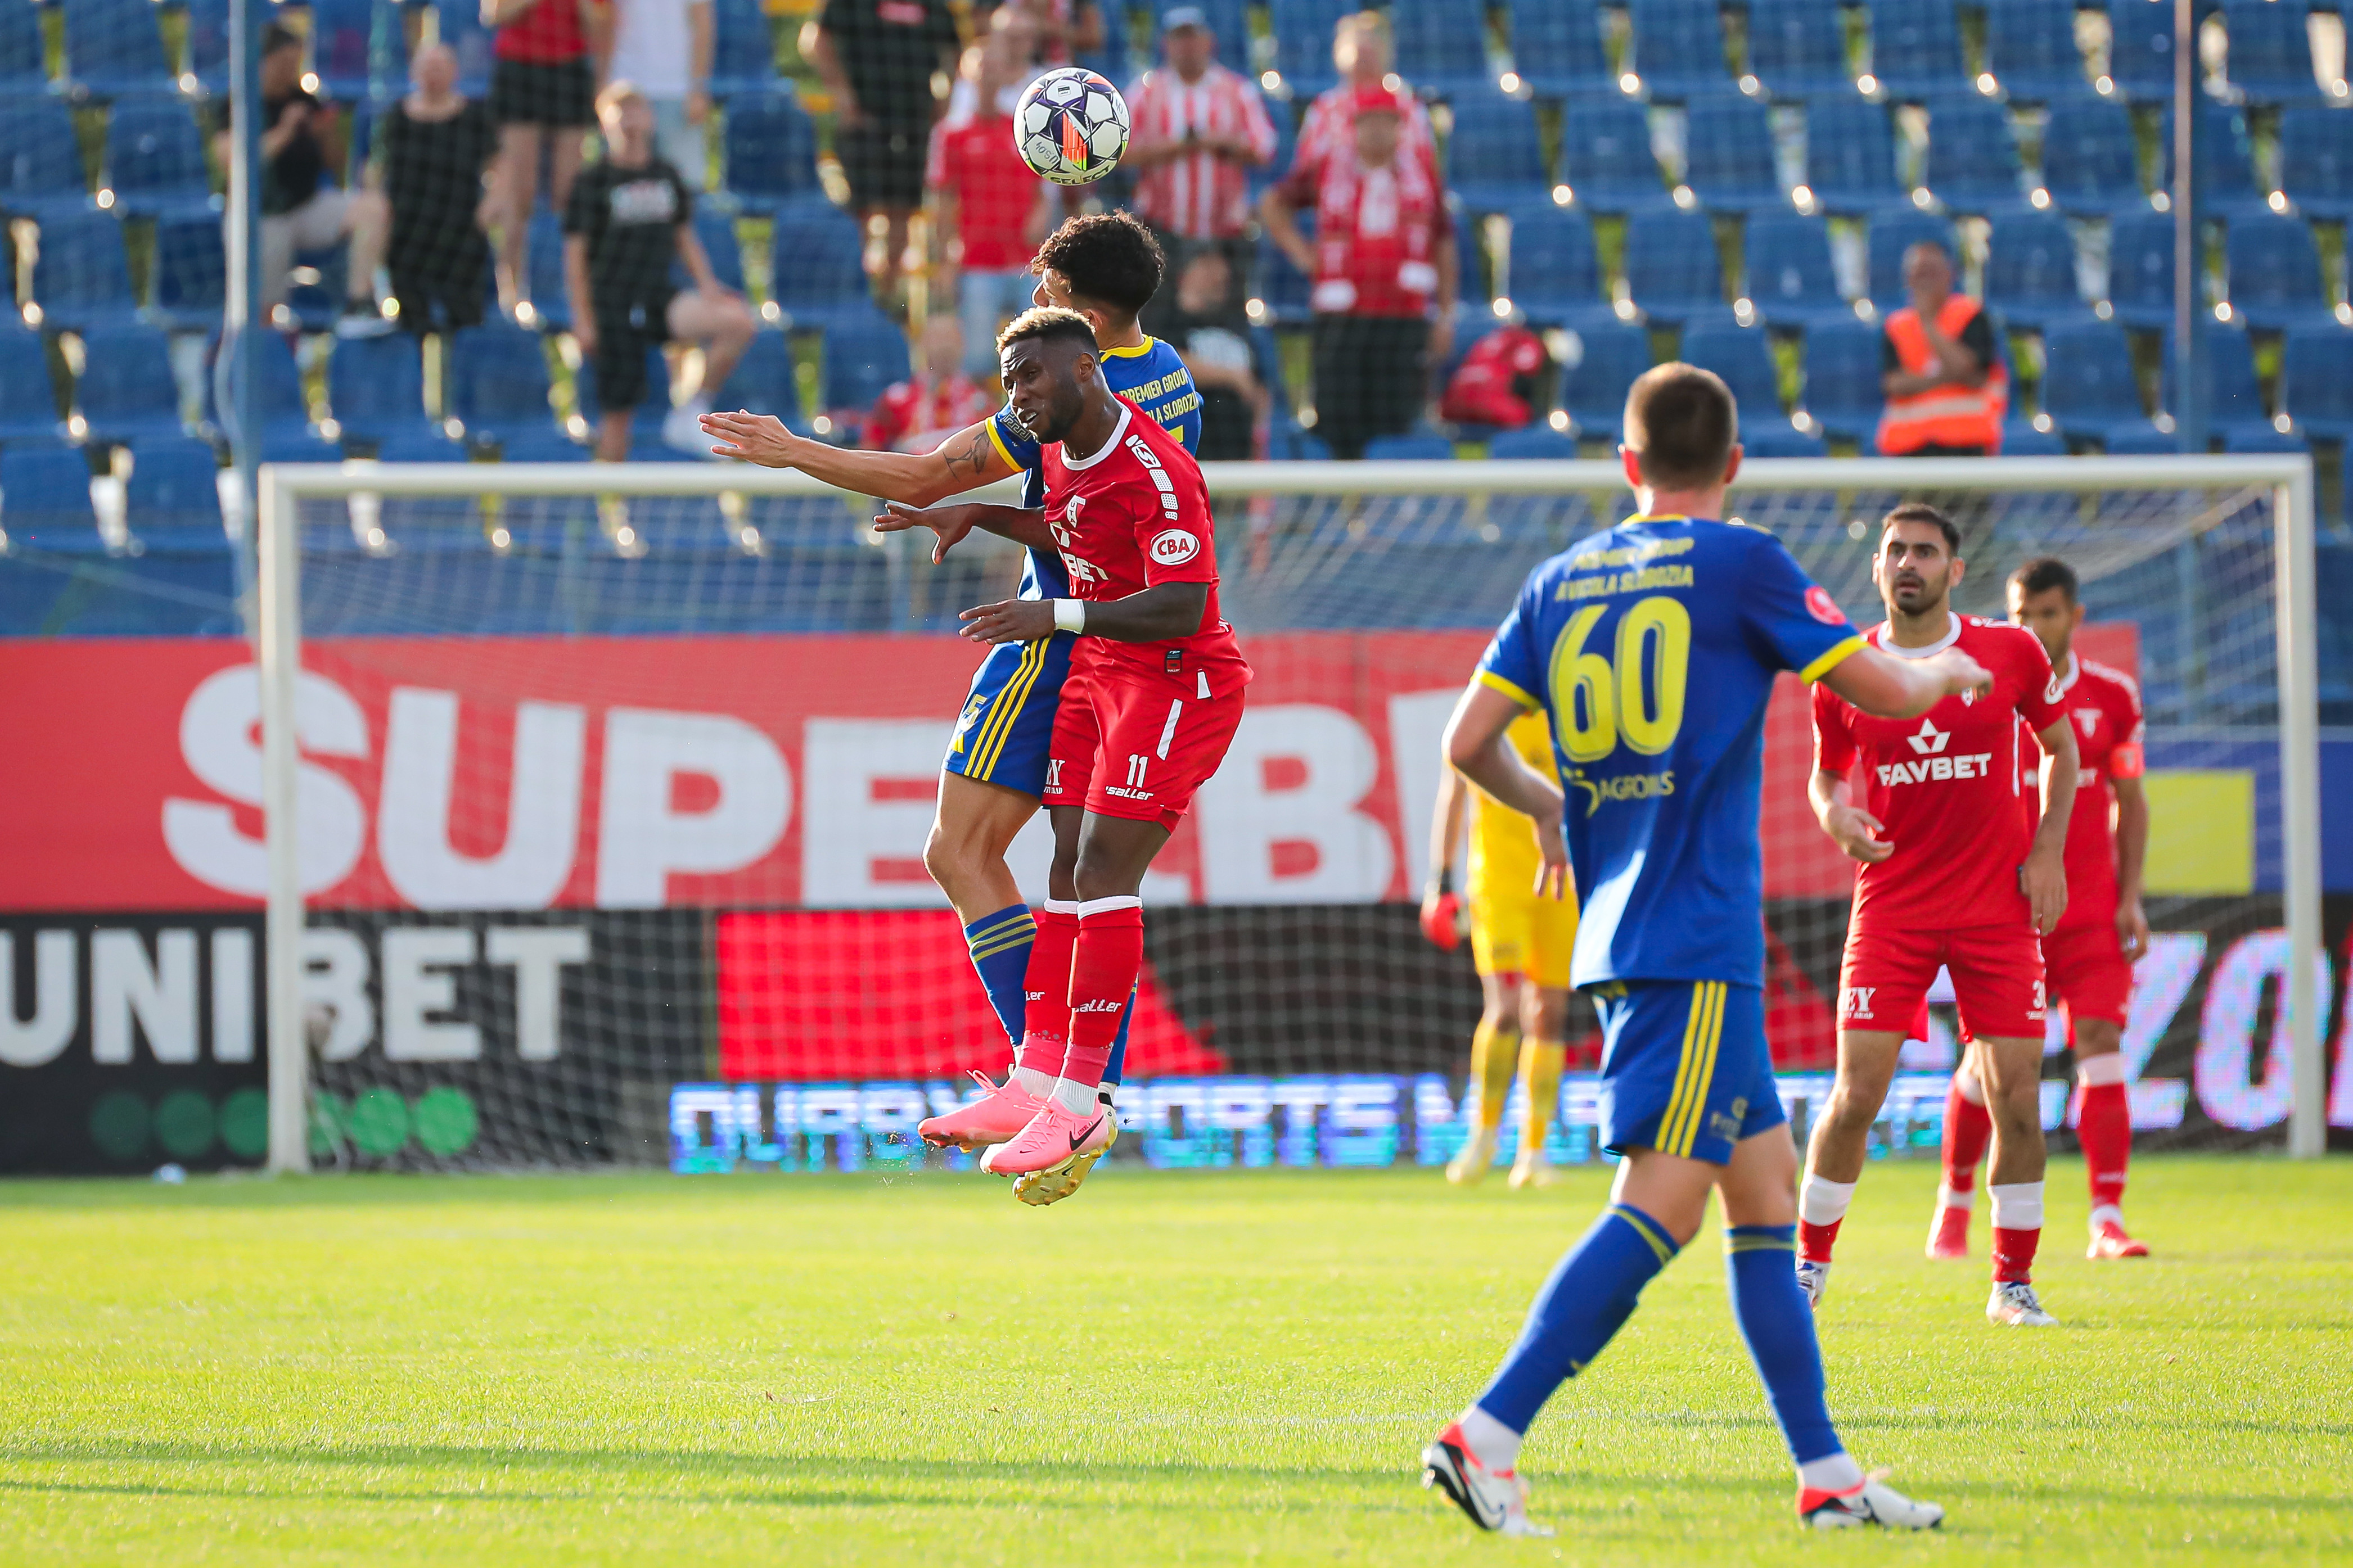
pixel 1412 549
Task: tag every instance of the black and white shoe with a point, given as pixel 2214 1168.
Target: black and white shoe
pixel 1494 1500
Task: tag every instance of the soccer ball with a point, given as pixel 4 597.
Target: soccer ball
pixel 1071 126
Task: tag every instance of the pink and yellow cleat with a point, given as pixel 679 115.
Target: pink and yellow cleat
pixel 1001 1110
pixel 1055 1139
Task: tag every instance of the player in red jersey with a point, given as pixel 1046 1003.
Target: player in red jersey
pixel 1952 874
pixel 1154 698
pixel 2088 960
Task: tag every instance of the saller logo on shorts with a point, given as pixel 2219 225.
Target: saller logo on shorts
pixel 1174 547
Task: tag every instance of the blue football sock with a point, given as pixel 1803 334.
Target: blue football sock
pixel 1000 945
pixel 1760 1262
pixel 1591 1292
pixel 1118 1063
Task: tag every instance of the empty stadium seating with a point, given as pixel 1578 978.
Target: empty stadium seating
pixel 770 152
pixel 1608 356
pixel 1445 50
pixel 1730 156
pixel 1916 48
pixel 743 49
pixel 2140 268
pixel 819 268
pixel 28 408
pixel 2030 271
pixel 2089 387
pixel 1843 371
pixel 1851 157
pixel 1972 155
pixel 155 161
pixel 1679 49
pixel 1606 157
pixel 2274 271
pixel 2315 150
pixel 1796 48
pixel 1556 47
pixel 1555 277
pixel 1672 271
pixel 1790 279
pixel 126 392
pixel 2030 51
pixel 2090 165
pixel 1493 159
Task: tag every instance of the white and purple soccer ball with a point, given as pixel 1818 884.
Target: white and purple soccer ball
pixel 1071 126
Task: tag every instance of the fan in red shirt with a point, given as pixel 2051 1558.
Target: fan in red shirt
pixel 1154 698
pixel 2088 959
pixel 1954 874
pixel 918 413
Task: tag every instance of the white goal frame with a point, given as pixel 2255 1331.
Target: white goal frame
pixel 278 617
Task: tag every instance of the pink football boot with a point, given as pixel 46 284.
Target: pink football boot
pixel 1002 1110
pixel 1055 1138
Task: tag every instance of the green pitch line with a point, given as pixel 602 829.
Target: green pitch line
pixel 1179 1368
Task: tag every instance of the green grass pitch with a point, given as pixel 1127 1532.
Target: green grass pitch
pixel 1208 1367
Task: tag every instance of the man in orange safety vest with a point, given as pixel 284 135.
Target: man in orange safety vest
pixel 1947 390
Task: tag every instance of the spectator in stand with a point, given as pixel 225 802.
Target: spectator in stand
pixel 1383 270
pixel 987 207
pixel 1947 390
pixel 878 59
pixel 918 414
pixel 1010 28
pixel 1063 29
pixel 664 46
pixel 1196 130
pixel 1210 334
pixel 543 94
pixel 302 207
pixel 432 148
pixel 630 219
pixel 1365 53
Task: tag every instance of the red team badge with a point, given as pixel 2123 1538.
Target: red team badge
pixel 1822 606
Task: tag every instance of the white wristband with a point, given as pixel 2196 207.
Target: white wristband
pixel 1070 614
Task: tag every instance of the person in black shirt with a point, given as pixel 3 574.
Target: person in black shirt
pixel 432 147
pixel 629 220
pixel 1213 340
pixel 878 59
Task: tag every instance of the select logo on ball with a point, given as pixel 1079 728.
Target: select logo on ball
pixel 1174 547
pixel 1071 126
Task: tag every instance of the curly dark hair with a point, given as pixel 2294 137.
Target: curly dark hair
pixel 1111 259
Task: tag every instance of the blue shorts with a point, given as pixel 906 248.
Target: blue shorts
pixel 1684 1068
pixel 1007 726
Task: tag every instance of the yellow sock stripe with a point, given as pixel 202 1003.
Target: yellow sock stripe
pixel 1684 1063
pixel 998 727
pixel 1017 937
pixel 1017 916
pixel 1661 1243
pixel 1758 1243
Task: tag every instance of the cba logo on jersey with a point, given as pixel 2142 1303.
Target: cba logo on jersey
pixel 1174 547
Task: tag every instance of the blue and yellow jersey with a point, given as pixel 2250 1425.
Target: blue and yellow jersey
pixel 1652 648
pixel 1150 376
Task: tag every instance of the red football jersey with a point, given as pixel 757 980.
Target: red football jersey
pixel 1133 516
pixel 1946 785
pixel 2103 704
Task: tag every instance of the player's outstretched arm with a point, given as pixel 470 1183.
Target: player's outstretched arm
pixel 2045 874
pixel 965 460
pixel 1156 615
pixel 1889 688
pixel 1476 745
pixel 1023 525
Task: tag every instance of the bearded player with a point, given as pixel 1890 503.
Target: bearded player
pixel 1105 268
pixel 1652 648
pixel 2088 960
pixel 1520 945
pixel 1952 874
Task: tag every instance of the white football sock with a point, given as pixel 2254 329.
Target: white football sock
pixel 1821 1202
pixel 1492 1444
pixel 1078 1098
pixel 1830 1473
pixel 1947 1198
pixel 1036 1085
pixel 1965 1083
pixel 2017 1206
pixel 2106 1214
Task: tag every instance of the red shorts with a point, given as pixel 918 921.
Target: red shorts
pixel 1132 740
pixel 2086 970
pixel 1996 976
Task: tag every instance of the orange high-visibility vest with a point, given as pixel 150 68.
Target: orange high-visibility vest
pixel 1943 415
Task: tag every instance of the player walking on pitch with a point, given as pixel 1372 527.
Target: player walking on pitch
pixel 2088 959
pixel 1520 944
pixel 1652 648
pixel 1954 874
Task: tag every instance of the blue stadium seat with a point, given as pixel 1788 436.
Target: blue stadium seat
pixel 191 273
pixel 2020 439
pixel 1790 278
pixel 763 381
pixel 1730 163
pixel 2030 51
pixel 1916 48
pixel 2314 389
pixel 1494 161
pixel 716 230
pixel 2030 271
pixel 2334 571
pixel 1842 379
pixel 359 48
pixel 1678 49
pixel 1891 234
pixel 2234 397
pixel 1595 381
pixel 83 278
pixel 743 49
pixel 29 585
pixel 1533 443
pixel 2315 148
pixel 2140 268
pixel 2088 386
pixel 287 434
pixel 1409 448
pixel 207 39
pixel 1796 48
pixel 1672 270
pixel 550 293
pixel 173 497
pixel 770 151
pixel 1112 60
pixel 2274 272
pixel 1851 157
pixel 496 381
pixel 1283 289
pixel 1302 43
pixel 460 28
pixel 28 405
pixel 1740 355
pixel 1773 435
pixel 1555 277
pixel 45 499
pixel 420 443
pixel 1444 49
pixel 2270 54
pixel 155 161
pixel 542 443
pixel 863 353
pixel 24 67
pixel 2229 188
pixel 2090 164
pixel 114 49
pixel 1228 23
pixel 1972 164
pixel 1606 157
pixel 126 392
pixel 1556 47
pixel 1471 264
pixel 2140 51
pixel 818 270
pixel 376 388
pixel 42 173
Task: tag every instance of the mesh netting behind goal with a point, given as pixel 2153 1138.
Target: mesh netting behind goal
pixel 614 811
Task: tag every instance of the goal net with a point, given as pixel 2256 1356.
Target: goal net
pixel 604 837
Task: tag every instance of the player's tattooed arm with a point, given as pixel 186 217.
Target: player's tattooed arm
pixel 1156 614
pixel 964 462
pixel 1476 746
pixel 1851 827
